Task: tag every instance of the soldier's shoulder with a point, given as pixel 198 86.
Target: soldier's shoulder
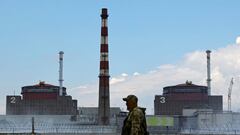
pixel 137 111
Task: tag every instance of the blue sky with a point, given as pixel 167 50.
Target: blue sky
pixel 143 35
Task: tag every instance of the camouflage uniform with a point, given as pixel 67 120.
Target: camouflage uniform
pixel 135 122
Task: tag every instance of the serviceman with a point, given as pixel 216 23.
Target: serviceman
pixel 135 122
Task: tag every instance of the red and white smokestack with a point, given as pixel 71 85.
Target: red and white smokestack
pixel 104 101
pixel 60 73
pixel 208 72
pixel 104 67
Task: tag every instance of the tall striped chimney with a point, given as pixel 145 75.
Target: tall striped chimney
pixel 208 72
pixel 60 73
pixel 104 101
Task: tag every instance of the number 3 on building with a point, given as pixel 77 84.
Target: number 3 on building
pixel 162 100
pixel 12 100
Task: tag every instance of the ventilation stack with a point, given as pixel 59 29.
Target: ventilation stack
pixel 104 99
pixel 60 73
pixel 208 72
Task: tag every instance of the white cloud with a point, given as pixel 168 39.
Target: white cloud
pixel 116 80
pixel 85 89
pixel 238 40
pixel 136 73
pixel 225 64
pixel 124 74
pixel 82 87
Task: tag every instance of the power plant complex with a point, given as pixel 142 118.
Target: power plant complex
pixel 181 109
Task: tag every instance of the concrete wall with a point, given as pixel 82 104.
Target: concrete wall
pixel 201 123
pixel 219 120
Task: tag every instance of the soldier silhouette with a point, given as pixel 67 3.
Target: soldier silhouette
pixel 135 122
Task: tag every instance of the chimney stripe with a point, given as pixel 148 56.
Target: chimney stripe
pixel 104 22
pixel 104 31
pixel 104 65
pixel 104 48
pixel 104 40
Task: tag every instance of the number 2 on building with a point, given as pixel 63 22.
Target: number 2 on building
pixel 12 100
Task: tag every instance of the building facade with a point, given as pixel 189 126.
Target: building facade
pixel 41 99
pixel 187 95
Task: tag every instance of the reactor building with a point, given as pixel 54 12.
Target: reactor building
pixel 185 96
pixel 188 96
pixel 43 99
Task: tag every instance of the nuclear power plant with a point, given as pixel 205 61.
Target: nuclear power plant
pixel 182 109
